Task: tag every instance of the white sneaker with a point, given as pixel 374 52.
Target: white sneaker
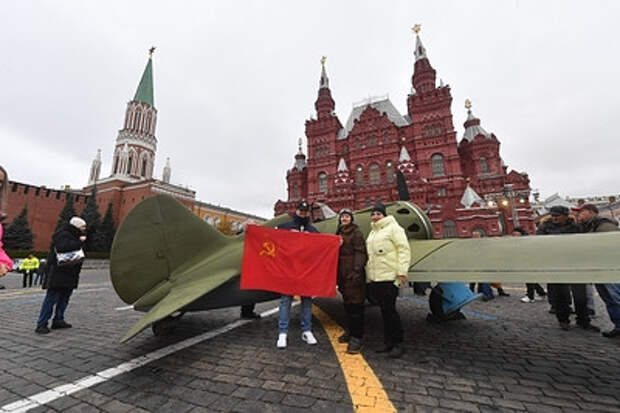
pixel 527 299
pixel 281 341
pixel 308 337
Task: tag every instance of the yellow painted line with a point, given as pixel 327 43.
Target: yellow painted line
pixel 367 393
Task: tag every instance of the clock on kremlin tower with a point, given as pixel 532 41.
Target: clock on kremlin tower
pixel 463 184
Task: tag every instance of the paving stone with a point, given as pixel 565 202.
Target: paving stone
pixel 272 396
pixel 298 400
pixel 117 407
pixel 458 405
pixel 248 393
pixel 225 404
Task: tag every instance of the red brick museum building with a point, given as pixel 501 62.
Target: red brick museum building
pixel 463 184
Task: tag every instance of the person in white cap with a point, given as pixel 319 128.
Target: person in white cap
pixel 61 280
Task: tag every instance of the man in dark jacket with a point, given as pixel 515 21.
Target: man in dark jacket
pixel 61 280
pixel 559 294
pixel 610 293
pixel 301 223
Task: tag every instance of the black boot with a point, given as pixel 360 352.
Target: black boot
pixel 60 324
pixel 42 329
pixel 355 345
pixel 502 293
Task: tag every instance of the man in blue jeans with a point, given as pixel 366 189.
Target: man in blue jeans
pixel 301 223
pixel 610 293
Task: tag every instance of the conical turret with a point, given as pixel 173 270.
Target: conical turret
pixel 324 104
pixel 424 75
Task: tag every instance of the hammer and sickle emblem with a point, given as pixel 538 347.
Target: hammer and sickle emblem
pixel 269 248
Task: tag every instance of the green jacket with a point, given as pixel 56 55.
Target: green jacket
pixel 29 264
pixel 388 251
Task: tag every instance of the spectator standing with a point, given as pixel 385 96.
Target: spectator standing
pixel 6 263
pixel 61 280
pixel 388 263
pixel 301 223
pixel 29 266
pixel 561 223
pixel 531 287
pixel 352 259
pixel 609 293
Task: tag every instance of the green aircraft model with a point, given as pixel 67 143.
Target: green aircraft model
pixel 166 261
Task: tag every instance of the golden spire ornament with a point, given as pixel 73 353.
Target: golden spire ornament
pixel 467 104
pixel 323 60
pixel 416 28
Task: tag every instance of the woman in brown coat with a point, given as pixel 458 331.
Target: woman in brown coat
pixel 352 279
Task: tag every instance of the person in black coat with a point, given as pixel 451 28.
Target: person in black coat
pixel 61 280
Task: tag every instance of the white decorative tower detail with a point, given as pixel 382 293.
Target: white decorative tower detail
pixel 167 171
pixel 136 144
pixel 95 168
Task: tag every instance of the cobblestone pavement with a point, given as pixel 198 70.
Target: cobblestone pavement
pixel 507 356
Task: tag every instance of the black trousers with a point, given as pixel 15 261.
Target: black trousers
pixel 28 278
pixel 385 293
pixel 562 301
pixel 355 319
pixel 534 287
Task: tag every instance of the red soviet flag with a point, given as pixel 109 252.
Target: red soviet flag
pixel 290 262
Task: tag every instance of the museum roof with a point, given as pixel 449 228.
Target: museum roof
pixel 384 106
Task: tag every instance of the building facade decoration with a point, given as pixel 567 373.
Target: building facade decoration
pixel 377 140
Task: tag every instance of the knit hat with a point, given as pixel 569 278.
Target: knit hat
pixel 379 207
pixel 303 206
pixel 346 211
pixel 77 222
pixel 559 210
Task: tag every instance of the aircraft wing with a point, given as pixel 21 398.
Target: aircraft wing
pixel 188 287
pixel 574 258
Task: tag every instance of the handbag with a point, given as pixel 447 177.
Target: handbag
pixel 65 259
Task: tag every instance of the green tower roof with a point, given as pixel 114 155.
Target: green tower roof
pixel 145 88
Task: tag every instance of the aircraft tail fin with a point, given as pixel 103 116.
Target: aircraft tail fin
pixel 155 243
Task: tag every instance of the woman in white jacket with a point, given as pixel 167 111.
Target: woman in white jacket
pixel 386 270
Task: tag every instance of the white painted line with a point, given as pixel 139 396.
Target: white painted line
pixel 47 396
pixel 127 307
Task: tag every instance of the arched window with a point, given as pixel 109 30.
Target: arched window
pixel 144 165
pixel 323 182
pixel 449 229
pixel 129 165
pixel 437 165
pixel 138 118
pixel 359 177
pixel 295 191
pixel 374 174
pixel 372 140
pixel 389 172
pixel 484 168
pixel 116 163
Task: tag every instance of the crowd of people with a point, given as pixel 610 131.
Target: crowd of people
pixel 373 268
pixel 376 267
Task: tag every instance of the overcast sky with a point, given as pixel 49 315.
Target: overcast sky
pixel 236 80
